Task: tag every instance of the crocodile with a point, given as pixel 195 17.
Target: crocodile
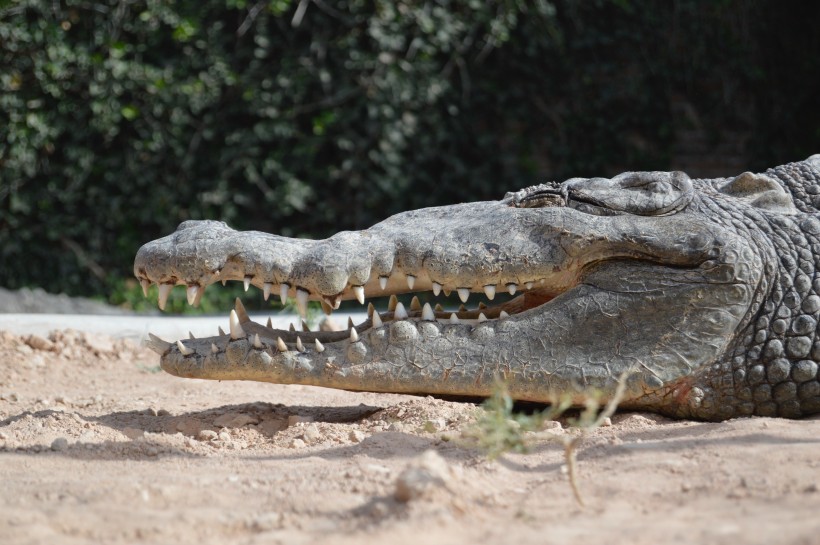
pixel 700 298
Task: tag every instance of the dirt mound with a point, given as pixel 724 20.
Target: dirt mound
pixel 98 445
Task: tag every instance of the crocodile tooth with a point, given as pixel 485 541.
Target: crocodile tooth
pixel 214 348
pixel 354 335
pixel 447 292
pixel 383 282
pixel 391 305
pixel 454 318
pixel 301 301
pixel 327 309
pixel 463 294
pixel 241 313
pixel 164 292
pixel 224 282
pixel 350 322
pixel 489 291
pixel 503 314
pixel 377 320
pixel 411 281
pixel 400 313
pixel 358 291
pixel 481 317
pixel 257 342
pixel 266 287
pixel 221 331
pixel 436 288
pixel 528 285
pixel 236 329
pixel 462 308
pixel 191 336
pixel 319 346
pixel 481 305
pixel 291 327
pixel 299 346
pixel 427 313
pixel 439 308
pixel 415 304
pixel 248 282
pixel 370 310
pixel 283 293
pixel 511 287
pixel 145 285
pixel 305 326
pixel 157 345
pixel 183 349
pixel 270 323
pixel 280 344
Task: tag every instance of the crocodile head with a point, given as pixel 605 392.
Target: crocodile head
pixel 652 274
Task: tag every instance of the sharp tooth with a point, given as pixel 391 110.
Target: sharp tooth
pixel 257 342
pixel 436 288
pixel 462 308
pixel 383 282
pixel 301 301
pixel 481 317
pixel 157 345
pixel 503 314
pixel 145 285
pixel 481 305
pixel 214 349
pixel 511 287
pixel 377 320
pixel 248 282
pixel 283 293
pixel 358 291
pixel 241 313
pixel 439 308
pixel 236 329
pixel 270 323
pixel 350 322
pixel 183 349
pixel 427 313
pixel 463 294
pixel 528 285
pixel 319 346
pixel 327 309
pixel 454 318
pixel 354 335
pixel 400 313
pixel 299 346
pixel 266 287
pixel 415 304
pixel 191 336
pixel 391 305
pixel 337 303
pixel 164 292
pixel 411 281
pixel 280 344
pixel 446 292
pixel 191 293
pixel 224 282
pixel 489 291
pixel 370 310
pixel 305 327
pixel 221 331
pixel 291 327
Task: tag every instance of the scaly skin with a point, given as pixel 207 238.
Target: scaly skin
pixel 704 291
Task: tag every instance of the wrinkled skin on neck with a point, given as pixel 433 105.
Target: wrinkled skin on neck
pixel 650 274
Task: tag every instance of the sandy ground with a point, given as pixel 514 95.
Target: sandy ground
pixel 99 446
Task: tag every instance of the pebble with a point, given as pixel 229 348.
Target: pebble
pixel 61 443
pixel 357 436
pixel 207 435
pixel 422 476
pixel 224 436
pixel 312 433
pixel 297 443
pixel 39 343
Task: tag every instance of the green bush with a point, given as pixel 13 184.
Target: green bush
pixel 121 118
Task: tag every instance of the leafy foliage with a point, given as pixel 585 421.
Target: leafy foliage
pixel 121 118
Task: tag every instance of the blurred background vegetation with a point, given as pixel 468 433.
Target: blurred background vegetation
pixel 121 118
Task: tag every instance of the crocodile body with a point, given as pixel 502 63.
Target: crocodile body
pixel 705 294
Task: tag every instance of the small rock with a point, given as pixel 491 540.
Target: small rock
pixel 224 436
pixel 39 343
pixel 133 433
pixel 425 474
pixel 357 436
pixel 397 427
pixel 312 433
pixel 163 412
pixel 552 425
pixel 298 419
pixel 61 443
pixel 606 422
pixel 297 443
pixel 207 435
